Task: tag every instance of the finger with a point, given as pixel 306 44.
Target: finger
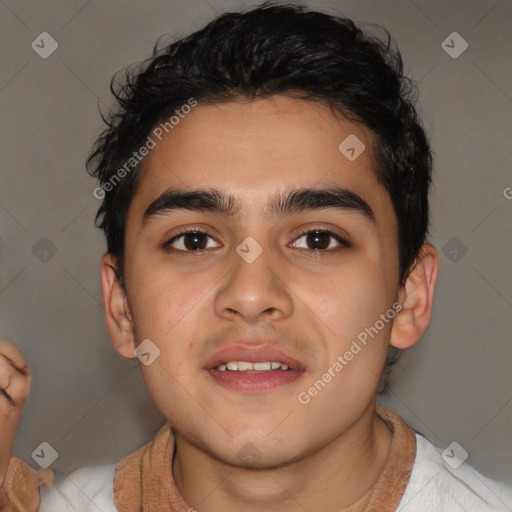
pixel 7 397
pixel 6 372
pixel 14 386
pixel 14 356
pixel 18 389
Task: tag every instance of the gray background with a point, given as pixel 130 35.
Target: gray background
pixel 89 403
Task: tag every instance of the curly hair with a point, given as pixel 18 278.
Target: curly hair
pixel 269 50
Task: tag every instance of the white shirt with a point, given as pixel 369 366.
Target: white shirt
pixel 433 487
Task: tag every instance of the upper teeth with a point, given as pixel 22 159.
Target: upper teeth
pixel 244 366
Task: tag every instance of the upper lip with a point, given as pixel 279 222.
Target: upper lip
pixel 251 353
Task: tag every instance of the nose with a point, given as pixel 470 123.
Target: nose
pixel 254 291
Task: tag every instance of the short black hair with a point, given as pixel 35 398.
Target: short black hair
pixel 268 50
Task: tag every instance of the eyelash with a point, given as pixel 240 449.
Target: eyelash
pixel 343 243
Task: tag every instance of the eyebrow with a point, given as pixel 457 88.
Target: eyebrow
pixel 279 205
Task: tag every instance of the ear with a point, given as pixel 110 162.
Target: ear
pixel 416 296
pixel 117 312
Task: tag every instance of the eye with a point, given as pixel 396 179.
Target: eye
pixel 321 240
pixel 189 241
pixel 197 240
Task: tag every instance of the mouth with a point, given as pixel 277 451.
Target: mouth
pixel 253 368
pixel 247 366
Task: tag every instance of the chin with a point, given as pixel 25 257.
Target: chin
pixel 264 452
pixel 252 457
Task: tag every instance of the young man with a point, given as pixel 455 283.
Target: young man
pixel 265 203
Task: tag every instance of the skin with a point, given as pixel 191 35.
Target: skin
pixel 311 306
pixel 15 379
pixel 309 303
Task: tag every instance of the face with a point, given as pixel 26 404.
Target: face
pixel 261 277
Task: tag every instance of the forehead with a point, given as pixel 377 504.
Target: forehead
pixel 252 148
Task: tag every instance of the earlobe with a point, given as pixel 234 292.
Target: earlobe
pixel 416 297
pixel 117 313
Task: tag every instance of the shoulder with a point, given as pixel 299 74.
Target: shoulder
pixel 435 486
pixel 87 489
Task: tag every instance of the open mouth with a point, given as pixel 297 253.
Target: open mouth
pixel 253 368
pixel 252 380
pixel 246 366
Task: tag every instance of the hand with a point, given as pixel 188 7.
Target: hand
pixel 15 377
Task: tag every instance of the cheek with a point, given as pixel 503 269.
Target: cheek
pixel 163 302
pixel 349 303
pixel 167 309
pixel 348 299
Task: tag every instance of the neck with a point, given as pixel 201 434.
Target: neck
pixel 330 479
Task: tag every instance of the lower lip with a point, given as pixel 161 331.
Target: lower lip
pixel 254 382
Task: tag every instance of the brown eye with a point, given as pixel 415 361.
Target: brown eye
pixel 321 240
pixel 189 241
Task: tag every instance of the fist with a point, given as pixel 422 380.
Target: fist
pixel 15 377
